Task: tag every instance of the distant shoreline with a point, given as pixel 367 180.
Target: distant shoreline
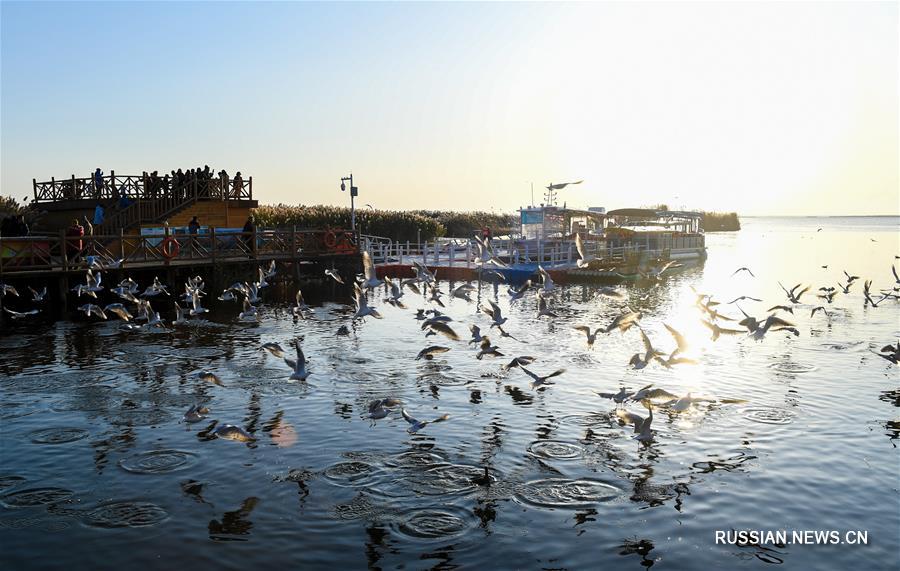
pixel 823 216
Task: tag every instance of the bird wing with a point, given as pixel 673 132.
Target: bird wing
pixel 368 266
pixel 301 359
pixel 529 373
pixel 495 311
pixel 555 373
pixel 407 417
pixel 647 345
pixel 443 328
pixel 679 338
pixel 579 246
pixel 583 328
pixel 777 321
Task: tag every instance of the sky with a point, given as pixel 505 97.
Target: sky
pixel 759 108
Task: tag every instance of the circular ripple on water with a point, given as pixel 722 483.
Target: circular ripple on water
pixel 35 497
pixel 585 419
pixel 555 449
pixel 7 482
pixel 415 459
pixel 125 514
pixel 352 473
pixel 140 417
pixel 566 493
pixel 158 462
pixel 430 524
pixel 59 435
pixel 769 415
pixel 445 479
pixel 792 368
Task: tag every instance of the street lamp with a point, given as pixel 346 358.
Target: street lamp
pixel 354 192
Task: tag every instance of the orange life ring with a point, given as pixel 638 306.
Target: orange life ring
pixel 345 243
pixel 330 240
pixel 170 247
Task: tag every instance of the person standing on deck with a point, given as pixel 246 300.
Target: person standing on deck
pixel 22 226
pixel 193 230
pixel 73 243
pixel 238 185
pixel 98 215
pixel 223 184
pixel 98 182
pixel 249 228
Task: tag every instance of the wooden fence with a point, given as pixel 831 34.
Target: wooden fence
pixel 54 254
pixel 113 187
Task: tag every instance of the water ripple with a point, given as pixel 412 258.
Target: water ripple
pixel 566 493
pixel 769 415
pixel 125 514
pixel 59 435
pixel 35 497
pixel 555 449
pixel 429 524
pixel 158 462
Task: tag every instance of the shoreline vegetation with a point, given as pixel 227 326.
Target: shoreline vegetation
pixel 712 221
pixel 409 225
pixel 720 222
pixel 399 225
pixel 402 225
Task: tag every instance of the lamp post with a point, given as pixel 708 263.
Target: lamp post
pixel 354 192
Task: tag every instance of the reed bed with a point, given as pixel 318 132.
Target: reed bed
pixel 720 222
pixel 395 224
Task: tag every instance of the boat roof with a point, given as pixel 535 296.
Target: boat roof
pixel 653 213
pixel 569 211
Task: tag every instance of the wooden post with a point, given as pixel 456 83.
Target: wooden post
pixel 212 244
pixel 74 190
pixel 293 242
pixel 65 250
pixel 250 187
pixel 34 186
pixel 452 252
pixel 121 243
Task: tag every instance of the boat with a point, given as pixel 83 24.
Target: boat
pixel 622 245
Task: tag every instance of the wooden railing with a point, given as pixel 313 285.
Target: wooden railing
pixel 113 187
pixel 61 253
pixel 549 253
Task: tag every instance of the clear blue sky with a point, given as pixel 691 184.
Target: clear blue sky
pixel 757 107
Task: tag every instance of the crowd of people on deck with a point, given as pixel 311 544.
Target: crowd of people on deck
pixel 14 225
pixel 178 183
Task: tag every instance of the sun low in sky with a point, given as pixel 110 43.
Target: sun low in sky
pixel 761 108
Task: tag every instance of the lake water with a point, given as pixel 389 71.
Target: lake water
pixel 97 472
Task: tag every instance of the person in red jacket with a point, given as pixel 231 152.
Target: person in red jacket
pixel 73 243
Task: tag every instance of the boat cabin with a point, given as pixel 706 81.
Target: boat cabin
pixel 549 222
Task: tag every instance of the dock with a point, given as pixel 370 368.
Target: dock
pixel 457 259
pixel 145 233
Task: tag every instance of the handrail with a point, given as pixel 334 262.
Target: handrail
pixel 65 253
pixel 114 186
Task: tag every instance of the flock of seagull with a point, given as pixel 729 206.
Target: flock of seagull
pixel 136 312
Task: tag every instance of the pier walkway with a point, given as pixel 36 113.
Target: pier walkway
pixel 58 255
